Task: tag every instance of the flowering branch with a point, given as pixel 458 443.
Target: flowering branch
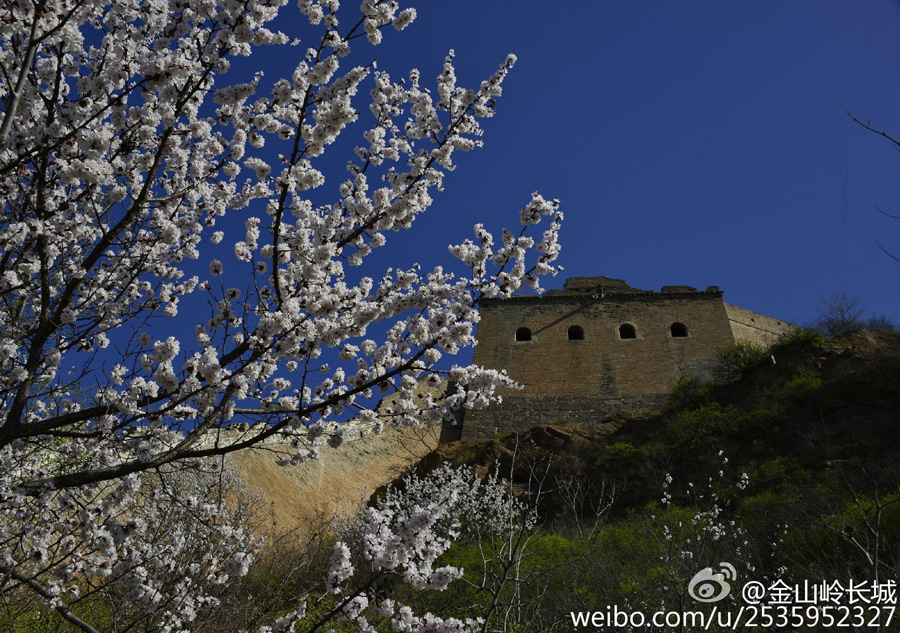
pixel 127 161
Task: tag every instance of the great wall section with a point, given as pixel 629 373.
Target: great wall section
pixel 582 353
pixel 598 346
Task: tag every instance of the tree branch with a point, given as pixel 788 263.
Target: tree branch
pixel 42 591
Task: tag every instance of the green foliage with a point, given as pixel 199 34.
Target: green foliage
pixel 863 511
pixel 552 550
pixel 532 454
pixel 322 609
pixel 854 539
pixel 777 472
pixel 22 613
pixel 624 451
pixel 801 383
pixel 777 401
pixel 467 456
pixel 547 556
pixel 713 418
pixel 803 336
pixel 649 558
pixel 762 508
pixel 688 393
pixel 740 357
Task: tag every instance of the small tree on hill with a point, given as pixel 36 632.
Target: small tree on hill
pixel 139 186
pixel 841 313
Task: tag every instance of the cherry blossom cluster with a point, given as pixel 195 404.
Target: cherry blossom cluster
pixel 406 531
pixel 702 532
pixel 168 266
pixel 166 544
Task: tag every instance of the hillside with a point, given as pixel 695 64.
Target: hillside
pixel 821 407
pixel 818 411
pixel 789 473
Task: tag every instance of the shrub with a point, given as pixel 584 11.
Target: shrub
pixel 776 472
pixel 881 323
pixel 802 382
pixel 624 451
pixel 688 393
pixel 689 426
pixel 840 314
pixel 740 357
pixel 777 401
pixel 807 335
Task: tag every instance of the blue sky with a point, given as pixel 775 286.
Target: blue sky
pixel 700 143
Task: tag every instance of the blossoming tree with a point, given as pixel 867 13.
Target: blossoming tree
pixel 126 159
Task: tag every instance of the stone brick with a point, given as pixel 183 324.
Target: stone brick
pixel 574 349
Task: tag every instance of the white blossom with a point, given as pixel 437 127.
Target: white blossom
pixel 128 159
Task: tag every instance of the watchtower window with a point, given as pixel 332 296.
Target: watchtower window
pixel 679 330
pixel 523 334
pixel 576 333
pixel 626 330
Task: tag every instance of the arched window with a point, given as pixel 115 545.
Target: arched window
pixel 679 330
pixel 576 333
pixel 626 330
pixel 523 334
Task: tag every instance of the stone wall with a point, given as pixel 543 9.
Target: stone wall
pixel 519 413
pixel 602 363
pixel 752 327
pixel 599 345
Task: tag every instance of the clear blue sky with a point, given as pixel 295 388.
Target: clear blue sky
pixel 700 143
pixel 690 143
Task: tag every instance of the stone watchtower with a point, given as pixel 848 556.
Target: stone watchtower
pixel 599 345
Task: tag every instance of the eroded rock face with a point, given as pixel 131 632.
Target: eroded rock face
pixel 304 497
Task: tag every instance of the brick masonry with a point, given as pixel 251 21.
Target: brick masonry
pixel 578 363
